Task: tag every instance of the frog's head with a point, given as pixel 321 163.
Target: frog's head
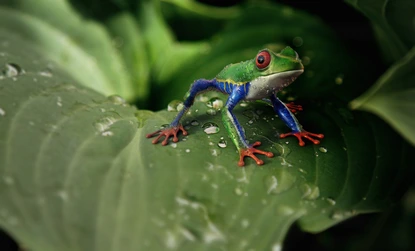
pixel 267 62
pixel 277 70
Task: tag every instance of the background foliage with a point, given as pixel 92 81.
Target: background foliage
pixel 77 84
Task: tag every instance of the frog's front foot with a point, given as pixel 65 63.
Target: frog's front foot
pixel 250 152
pixel 167 132
pixel 293 107
pixel 305 134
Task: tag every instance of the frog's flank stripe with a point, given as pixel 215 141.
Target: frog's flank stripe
pixel 230 81
pixel 227 86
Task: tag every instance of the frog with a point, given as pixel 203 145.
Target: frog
pixel 257 79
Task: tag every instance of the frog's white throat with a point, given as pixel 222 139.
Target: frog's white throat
pixel 263 87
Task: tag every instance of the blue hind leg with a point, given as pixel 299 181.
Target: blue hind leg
pixel 289 119
pixel 175 126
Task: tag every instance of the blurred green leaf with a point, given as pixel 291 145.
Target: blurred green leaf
pixel 82 47
pixel 128 39
pixel 392 97
pixel 392 23
pixel 78 173
pixel 166 54
pixel 206 10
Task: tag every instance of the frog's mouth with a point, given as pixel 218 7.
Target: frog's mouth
pixel 264 86
pixel 278 81
pixel 283 79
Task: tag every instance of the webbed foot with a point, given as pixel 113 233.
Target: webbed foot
pixel 167 132
pixel 305 134
pixel 293 107
pixel 250 152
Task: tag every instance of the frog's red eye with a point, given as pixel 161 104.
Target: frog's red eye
pixel 262 60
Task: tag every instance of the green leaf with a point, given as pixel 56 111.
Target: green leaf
pixel 392 23
pixel 392 97
pixel 78 173
pixel 82 47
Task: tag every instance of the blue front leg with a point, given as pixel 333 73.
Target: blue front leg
pixel 197 87
pixel 289 119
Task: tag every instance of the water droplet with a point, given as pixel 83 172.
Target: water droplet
pixel 12 70
pixel 104 124
pixel 222 143
pixel 276 247
pixel 331 201
pixel 187 234
pixel 117 100
pixel 63 195
pixel 107 133
pixel 203 98
pixel 243 104
pixel 339 79
pixel 2 112
pixel 215 103
pixel 272 184
pixel 188 150
pixel 322 149
pixel 171 241
pixel 341 215
pixel 302 170
pixel 215 152
pixel 211 112
pixel 310 191
pixel 174 145
pixel 284 210
pixel 164 126
pixel 59 102
pixel 46 73
pixel 238 191
pixel 210 128
pixel 281 181
pixel 194 122
pixel 8 180
pixel 175 106
pixel 245 223
pixel 298 41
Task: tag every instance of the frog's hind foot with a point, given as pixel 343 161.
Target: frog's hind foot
pixel 167 133
pixel 293 107
pixel 304 134
pixel 250 152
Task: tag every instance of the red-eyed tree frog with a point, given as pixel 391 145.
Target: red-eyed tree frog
pixel 256 79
